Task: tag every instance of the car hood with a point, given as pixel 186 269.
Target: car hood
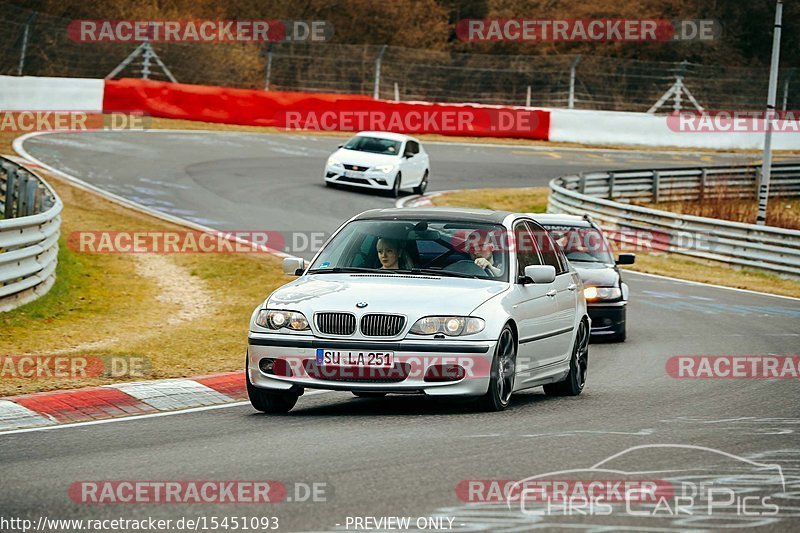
pixel 597 274
pixel 414 296
pixel 364 159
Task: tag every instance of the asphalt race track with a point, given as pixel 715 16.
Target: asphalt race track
pixel 245 182
pixel 405 456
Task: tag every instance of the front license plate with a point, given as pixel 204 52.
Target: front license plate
pixel 348 358
pixel 353 174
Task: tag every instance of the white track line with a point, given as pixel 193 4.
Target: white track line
pixel 139 417
pixel 634 272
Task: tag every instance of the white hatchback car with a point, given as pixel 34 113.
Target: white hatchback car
pixel 380 160
pixel 445 302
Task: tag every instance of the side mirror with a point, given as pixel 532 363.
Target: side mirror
pixel 408 156
pixel 339 146
pixel 626 259
pixel 541 273
pixel 293 266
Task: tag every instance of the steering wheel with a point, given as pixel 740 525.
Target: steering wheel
pixel 466 267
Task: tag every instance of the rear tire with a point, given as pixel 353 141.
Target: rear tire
pixel 362 394
pixel 396 186
pixel 501 383
pixel 420 189
pixel 578 367
pixel 270 401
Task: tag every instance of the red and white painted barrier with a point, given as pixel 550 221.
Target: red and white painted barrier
pixel 124 399
pixel 50 94
pixel 341 112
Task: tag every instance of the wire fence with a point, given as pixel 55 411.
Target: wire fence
pixel 36 44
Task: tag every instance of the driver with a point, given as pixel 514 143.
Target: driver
pixel 481 252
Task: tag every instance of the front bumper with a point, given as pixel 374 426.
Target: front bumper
pixel 412 359
pixel 368 179
pixel 607 318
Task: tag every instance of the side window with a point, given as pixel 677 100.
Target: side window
pixel 547 248
pixel 527 253
pixel 412 148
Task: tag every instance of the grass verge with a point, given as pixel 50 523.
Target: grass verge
pixel 181 314
pixel 534 200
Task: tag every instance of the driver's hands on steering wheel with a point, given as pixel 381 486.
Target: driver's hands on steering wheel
pixel 482 262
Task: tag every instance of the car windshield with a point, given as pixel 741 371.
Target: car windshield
pixel 373 145
pixel 416 247
pixel 581 244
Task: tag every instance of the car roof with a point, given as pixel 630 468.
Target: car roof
pixel 432 213
pixel 561 220
pixel 386 135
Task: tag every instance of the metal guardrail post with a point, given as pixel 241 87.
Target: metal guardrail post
pixel 582 183
pixel 703 182
pixel 611 185
pixel 30 201
pixel 38 200
pixel 756 181
pixel 656 184
pixel 22 187
pixel 11 183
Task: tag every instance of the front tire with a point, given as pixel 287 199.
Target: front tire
pixel 578 367
pixel 501 384
pixel 270 401
pixel 420 189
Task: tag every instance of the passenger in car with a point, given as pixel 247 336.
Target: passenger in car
pixel 393 255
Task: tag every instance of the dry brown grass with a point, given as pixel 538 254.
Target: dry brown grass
pixel 781 212
pixel 528 200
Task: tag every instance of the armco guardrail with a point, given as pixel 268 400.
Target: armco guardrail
pixel 606 196
pixel 30 220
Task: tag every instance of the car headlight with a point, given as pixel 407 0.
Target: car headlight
pixel 333 162
pixel 273 319
pixel 385 168
pixel 452 326
pixel 602 293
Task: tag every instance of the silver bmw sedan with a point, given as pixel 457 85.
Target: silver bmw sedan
pixel 438 301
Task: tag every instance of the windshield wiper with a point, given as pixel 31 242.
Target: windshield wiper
pixel 437 272
pixel 343 270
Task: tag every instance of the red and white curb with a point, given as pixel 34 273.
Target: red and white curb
pixel 122 400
